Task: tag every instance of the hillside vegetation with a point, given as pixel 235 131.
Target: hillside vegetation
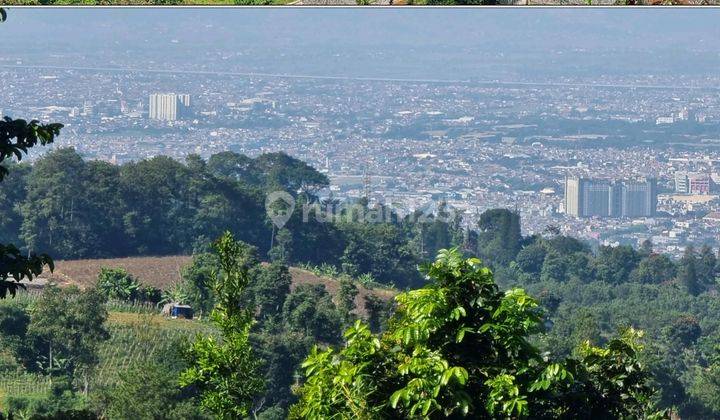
pixel 165 272
pixel 565 330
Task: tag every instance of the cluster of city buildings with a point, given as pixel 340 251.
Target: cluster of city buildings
pixel 475 147
pixel 610 198
pixel 694 183
pixel 680 116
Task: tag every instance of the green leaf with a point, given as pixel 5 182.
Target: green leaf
pixel 395 397
pixel 461 374
pixel 426 407
pixel 445 378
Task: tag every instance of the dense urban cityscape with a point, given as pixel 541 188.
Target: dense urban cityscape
pixel 475 145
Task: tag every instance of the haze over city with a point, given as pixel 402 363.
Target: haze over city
pixel 481 109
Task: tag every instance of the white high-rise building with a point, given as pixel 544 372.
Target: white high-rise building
pixel 168 106
pixel 87 108
pixel 184 99
pixel 682 182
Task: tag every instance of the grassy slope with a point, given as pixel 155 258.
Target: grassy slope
pixel 159 272
pixel 162 272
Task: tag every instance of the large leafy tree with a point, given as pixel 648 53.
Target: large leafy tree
pixel 379 249
pixel 162 205
pixel 270 290
pixel 12 190
pixel 531 258
pixel 687 272
pixel 706 266
pixel 171 205
pixel 284 172
pixel 57 213
pixel 198 279
pixel 655 268
pixel 234 166
pixel 226 372
pixel 615 263
pixel 16 137
pixel 460 347
pixel 499 236
pixel 309 309
pixel 66 328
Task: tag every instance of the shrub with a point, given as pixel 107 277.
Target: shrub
pixel 117 283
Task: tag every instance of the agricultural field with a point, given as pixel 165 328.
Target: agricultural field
pixel 139 336
pixel 160 272
pixel 16 384
pixel 137 333
pixel 163 272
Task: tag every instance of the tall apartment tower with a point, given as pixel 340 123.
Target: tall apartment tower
pixel 168 106
pixel 573 194
pixel 682 182
pixel 587 198
pixel 639 199
pixel 596 198
pixel 615 200
pixel 184 99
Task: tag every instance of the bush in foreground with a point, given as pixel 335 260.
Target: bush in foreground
pixel 459 347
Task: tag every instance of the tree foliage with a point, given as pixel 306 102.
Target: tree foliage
pixel 66 328
pixel 149 390
pixel 73 208
pixel 16 137
pixel 460 347
pixel 226 372
pixel 117 283
pixel 499 237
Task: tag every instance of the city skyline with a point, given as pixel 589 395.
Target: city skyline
pixel 498 127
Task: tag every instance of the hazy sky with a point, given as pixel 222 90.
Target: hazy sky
pixel 452 43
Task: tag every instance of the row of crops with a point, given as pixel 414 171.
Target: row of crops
pixel 137 333
pixel 139 337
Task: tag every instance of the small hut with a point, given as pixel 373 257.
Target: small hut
pixel 181 311
pixel 176 310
